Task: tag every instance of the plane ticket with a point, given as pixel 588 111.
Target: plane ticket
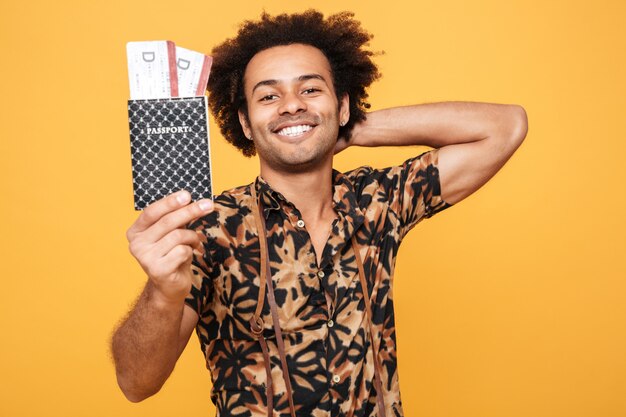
pixel 152 69
pixel 193 72
pixel 160 69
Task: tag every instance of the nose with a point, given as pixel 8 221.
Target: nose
pixel 292 103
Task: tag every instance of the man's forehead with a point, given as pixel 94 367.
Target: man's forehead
pixel 286 63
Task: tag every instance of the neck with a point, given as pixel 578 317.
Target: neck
pixel 310 191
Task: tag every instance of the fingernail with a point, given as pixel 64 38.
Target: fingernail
pixel 183 197
pixel 205 205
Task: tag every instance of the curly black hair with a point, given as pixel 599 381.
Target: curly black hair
pixel 340 38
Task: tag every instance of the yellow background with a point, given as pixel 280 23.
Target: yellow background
pixel 509 304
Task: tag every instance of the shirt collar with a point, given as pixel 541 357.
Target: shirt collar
pixel 271 199
pixel 344 197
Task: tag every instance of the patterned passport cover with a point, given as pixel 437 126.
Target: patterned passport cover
pixel 169 142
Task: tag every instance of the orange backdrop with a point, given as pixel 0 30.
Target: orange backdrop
pixel 509 304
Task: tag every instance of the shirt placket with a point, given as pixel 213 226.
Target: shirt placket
pixel 327 278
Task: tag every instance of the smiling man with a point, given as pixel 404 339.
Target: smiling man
pixel 288 280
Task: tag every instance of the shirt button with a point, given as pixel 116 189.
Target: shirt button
pixel 300 223
pixel 336 378
pixel 330 323
pixel 320 274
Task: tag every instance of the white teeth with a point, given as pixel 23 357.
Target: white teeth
pixel 294 130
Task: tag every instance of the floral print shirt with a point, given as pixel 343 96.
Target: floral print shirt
pixel 321 306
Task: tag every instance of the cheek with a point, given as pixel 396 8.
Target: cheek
pixel 259 119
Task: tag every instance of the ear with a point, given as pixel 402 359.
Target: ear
pixel 344 109
pixel 243 120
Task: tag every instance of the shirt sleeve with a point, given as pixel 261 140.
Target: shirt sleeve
pixel 201 287
pixel 414 190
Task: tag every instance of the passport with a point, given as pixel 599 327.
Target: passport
pixel 170 151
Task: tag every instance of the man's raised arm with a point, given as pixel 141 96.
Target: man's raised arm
pixel 148 343
pixel 476 139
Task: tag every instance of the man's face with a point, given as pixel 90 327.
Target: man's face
pixel 293 111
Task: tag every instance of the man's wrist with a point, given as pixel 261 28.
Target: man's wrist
pixel 355 137
pixel 164 303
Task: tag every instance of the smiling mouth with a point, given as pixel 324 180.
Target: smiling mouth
pixel 293 131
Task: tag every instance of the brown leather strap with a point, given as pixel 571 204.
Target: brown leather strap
pixel 269 387
pixel 256 322
pixel 369 313
pixel 279 340
pixel 257 212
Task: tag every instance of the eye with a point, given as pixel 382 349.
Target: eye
pixel 311 90
pixel 268 97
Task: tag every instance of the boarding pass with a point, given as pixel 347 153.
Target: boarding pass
pixel 160 69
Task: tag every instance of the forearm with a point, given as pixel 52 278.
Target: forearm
pixel 146 346
pixel 439 124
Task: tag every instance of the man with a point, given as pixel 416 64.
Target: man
pixel 288 280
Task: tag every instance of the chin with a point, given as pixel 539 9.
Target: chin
pixel 297 158
pixel 299 163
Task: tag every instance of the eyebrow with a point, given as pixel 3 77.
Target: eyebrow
pixel 301 78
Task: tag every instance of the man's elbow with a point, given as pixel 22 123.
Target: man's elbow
pixel 509 132
pixel 133 391
pixel 518 125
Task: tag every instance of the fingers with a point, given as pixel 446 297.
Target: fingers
pixel 177 219
pixel 158 209
pixel 176 238
pixel 178 256
pixel 164 272
pixel 167 214
pixel 166 256
pixel 163 246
